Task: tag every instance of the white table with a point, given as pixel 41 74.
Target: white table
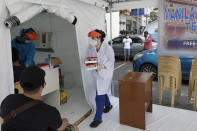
pixel 51 93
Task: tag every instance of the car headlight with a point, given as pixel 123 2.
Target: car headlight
pixel 137 56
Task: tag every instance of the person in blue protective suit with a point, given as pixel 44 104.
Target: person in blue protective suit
pixel 25 46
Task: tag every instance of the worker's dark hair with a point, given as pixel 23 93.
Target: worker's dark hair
pixel 102 34
pixel 32 78
pixel 15 54
pixel 146 32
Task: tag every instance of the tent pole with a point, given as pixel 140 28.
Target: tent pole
pixel 110 4
pixel 110 9
pixel 111 26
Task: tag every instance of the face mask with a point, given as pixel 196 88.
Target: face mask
pixel 93 43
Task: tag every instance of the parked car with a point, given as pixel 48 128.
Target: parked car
pixel 147 61
pixel 136 47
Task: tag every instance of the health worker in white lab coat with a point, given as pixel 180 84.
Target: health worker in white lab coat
pixel 105 55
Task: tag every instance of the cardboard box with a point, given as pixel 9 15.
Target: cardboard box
pixel 55 61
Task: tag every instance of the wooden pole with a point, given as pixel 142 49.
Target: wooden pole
pixel 83 118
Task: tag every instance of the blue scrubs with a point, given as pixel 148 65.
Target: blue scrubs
pixel 27 52
pixel 101 102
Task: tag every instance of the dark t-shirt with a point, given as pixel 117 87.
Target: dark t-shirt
pixel 38 118
pixel 17 72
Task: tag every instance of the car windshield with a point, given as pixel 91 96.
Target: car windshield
pixel 118 39
pixel 136 40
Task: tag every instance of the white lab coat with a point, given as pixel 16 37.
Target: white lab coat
pixel 103 77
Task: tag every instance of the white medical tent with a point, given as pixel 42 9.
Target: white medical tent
pixel 90 15
pixel 70 43
pixel 68 40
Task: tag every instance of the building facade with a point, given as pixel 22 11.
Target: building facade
pixel 134 21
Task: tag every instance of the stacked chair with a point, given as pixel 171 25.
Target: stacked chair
pixel 193 83
pixel 169 77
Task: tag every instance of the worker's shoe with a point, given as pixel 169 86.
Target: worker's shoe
pixel 107 109
pixel 94 124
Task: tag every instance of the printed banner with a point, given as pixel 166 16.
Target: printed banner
pixel 178 27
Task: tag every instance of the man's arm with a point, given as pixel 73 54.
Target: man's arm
pixel 1 120
pixel 65 123
pixel 131 41
pixel 54 120
pixel 148 40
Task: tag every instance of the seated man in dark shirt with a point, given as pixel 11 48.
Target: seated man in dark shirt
pixel 40 117
pixel 17 68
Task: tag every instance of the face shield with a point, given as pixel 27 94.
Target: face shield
pixel 31 36
pixel 93 38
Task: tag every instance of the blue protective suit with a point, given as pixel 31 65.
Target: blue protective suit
pixel 27 52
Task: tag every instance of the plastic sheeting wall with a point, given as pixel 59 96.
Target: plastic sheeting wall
pixel 63 42
pixel 89 17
